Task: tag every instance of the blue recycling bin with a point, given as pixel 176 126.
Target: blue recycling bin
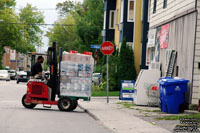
pixel 172 94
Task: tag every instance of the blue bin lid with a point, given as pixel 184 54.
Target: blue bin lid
pixel 168 80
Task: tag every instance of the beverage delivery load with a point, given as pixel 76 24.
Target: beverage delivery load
pixel 76 75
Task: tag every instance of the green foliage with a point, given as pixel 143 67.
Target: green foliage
pixel 69 6
pixel 193 107
pixel 113 75
pixel 127 104
pixel 100 87
pixel 7 4
pixel 90 25
pixel 104 93
pixel 64 35
pixel 18 36
pixel 31 15
pixel 177 117
pixel 85 22
pixel 126 67
pixel 45 66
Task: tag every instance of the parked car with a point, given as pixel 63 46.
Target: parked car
pixel 22 77
pixel 96 77
pixel 4 75
pixel 12 74
pixel 28 74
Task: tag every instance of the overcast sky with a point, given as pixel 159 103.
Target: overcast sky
pixel 47 6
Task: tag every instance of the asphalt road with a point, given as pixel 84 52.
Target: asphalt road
pixel 14 118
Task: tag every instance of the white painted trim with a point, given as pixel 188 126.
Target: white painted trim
pixel 149 11
pixel 104 24
pixel 121 10
pixel 141 10
pixel 128 20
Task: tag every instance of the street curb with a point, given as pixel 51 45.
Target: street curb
pixel 95 118
pixel 88 112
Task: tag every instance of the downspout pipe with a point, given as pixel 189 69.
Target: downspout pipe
pixel 145 28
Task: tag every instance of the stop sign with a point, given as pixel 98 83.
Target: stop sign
pixel 107 48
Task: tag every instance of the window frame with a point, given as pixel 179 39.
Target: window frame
pixel 154 6
pixel 114 21
pixel 164 4
pixel 128 20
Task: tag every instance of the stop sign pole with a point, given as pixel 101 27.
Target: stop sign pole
pixel 107 48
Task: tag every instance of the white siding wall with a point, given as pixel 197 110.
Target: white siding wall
pixel 196 73
pixel 174 7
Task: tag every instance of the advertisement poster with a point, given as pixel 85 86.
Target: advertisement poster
pixel 157 45
pixel 164 36
pixel 147 57
pixel 151 38
pixel 127 90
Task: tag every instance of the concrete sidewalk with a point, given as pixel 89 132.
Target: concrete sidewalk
pixel 117 120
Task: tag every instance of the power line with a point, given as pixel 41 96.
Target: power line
pixel 37 9
pixel 41 24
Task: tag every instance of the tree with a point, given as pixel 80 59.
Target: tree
pixel 69 7
pixel 64 35
pixel 126 66
pixel 88 21
pixel 7 4
pixel 9 33
pixel 32 17
pixel 16 31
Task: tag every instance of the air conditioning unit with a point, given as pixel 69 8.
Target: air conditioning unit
pixel 103 33
pixel 120 26
pixel 130 44
pixel 154 65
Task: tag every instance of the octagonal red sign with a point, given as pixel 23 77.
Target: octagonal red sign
pixel 107 48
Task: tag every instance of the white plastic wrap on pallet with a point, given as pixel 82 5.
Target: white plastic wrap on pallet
pixel 76 75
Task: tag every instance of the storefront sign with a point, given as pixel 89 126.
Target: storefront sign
pixel 151 38
pixel 127 90
pixel 12 55
pixel 164 36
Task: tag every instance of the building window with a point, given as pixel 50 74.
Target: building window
pixel 112 20
pixel 104 24
pixel 149 11
pixel 165 4
pixel 154 6
pixel 131 10
pixel 142 11
pixel 122 11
